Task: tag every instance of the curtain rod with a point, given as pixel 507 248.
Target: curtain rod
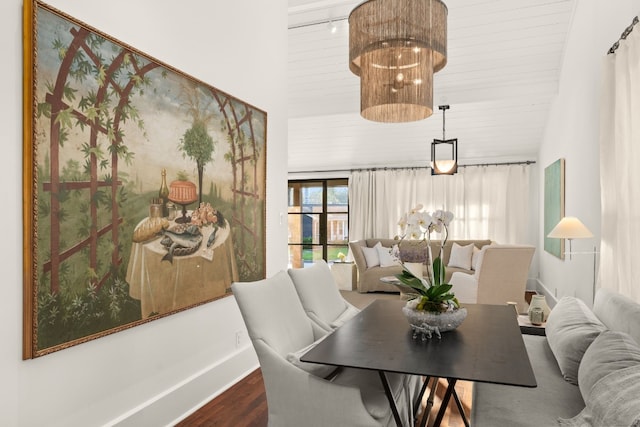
pixel 526 162
pixel 323 21
pixel 623 36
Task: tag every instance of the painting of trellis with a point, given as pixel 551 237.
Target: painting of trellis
pixel 144 188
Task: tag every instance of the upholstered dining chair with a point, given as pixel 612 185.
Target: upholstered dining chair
pixel 320 296
pixel 298 394
pixel 500 277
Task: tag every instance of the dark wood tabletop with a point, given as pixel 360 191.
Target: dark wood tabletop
pixel 487 347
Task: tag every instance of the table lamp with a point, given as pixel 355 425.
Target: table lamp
pixel 570 228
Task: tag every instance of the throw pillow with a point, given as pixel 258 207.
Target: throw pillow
pixel 386 257
pixel 461 256
pixel 613 401
pixel 479 258
pixel 571 328
pixel 610 352
pixel 317 369
pixel 371 256
pixel 475 258
pixel 395 252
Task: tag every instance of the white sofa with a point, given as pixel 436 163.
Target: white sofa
pixel 599 349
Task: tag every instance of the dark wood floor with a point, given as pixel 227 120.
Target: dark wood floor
pixel 245 405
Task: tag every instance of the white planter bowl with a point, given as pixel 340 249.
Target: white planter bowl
pixel 428 322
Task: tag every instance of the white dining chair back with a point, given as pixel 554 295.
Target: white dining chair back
pixel 320 297
pixel 279 327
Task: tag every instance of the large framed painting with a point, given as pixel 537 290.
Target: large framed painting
pixel 144 187
pixel 553 205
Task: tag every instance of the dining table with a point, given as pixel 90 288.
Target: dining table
pixel 486 347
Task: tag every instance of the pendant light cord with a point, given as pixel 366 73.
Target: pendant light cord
pixel 444 109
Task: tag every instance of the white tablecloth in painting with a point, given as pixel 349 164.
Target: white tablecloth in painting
pixel 162 286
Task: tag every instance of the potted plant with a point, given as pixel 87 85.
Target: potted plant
pixel 434 308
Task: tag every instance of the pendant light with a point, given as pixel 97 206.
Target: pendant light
pixel 395 46
pixel 444 152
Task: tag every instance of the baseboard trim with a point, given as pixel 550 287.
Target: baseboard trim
pixel 184 398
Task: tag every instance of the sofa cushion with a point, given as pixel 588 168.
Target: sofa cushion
pixel 618 312
pixel 371 256
pixel 571 328
pixel 475 257
pixel 613 401
pixel 461 256
pixel 502 406
pixel 413 251
pixel 610 352
pixel 387 256
pixel 479 258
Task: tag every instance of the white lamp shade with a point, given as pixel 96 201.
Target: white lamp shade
pixel 570 228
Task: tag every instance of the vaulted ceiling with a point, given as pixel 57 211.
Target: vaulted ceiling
pixel 504 59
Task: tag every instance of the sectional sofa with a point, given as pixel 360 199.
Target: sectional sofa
pixel 587 368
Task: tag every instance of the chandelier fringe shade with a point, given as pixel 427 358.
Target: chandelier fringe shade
pixel 395 46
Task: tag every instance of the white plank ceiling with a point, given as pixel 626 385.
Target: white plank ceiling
pixel 504 59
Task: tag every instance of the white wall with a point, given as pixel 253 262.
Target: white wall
pixel 154 373
pixel 572 133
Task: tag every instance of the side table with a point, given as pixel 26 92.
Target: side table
pixel 528 328
pixel 345 275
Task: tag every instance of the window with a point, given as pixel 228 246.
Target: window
pixel 318 219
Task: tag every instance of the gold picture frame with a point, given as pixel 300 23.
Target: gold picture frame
pixel 143 187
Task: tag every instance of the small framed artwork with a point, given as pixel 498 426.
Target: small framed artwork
pixel 553 205
pixel 143 187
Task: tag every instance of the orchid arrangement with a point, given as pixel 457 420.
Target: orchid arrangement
pixel 434 294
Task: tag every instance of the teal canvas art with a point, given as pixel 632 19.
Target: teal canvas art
pixel 553 205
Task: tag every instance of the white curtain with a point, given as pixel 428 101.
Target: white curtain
pixel 620 168
pixel 488 202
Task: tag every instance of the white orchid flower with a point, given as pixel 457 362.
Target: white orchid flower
pixel 403 223
pixel 424 219
pixel 414 232
pixel 441 217
pixel 417 209
pixel 413 219
pixel 448 217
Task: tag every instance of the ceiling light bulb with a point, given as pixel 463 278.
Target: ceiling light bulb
pixel 417 82
pixel 445 166
pixel 399 77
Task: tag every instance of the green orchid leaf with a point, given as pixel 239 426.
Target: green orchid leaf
pixel 438 271
pixel 412 281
